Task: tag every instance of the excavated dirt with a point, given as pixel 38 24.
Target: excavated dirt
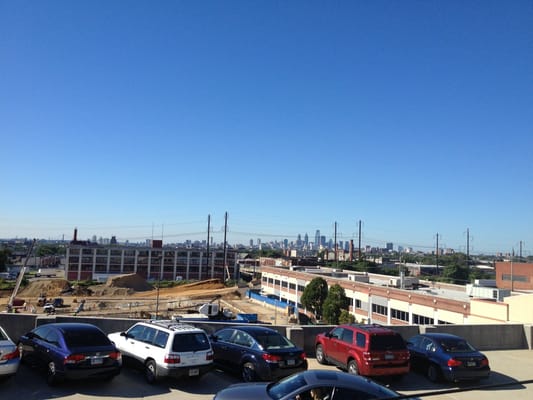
pixel 131 291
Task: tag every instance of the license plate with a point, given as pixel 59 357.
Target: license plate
pixel 389 356
pixel 470 363
pixel 194 372
pixel 97 361
pixel 291 362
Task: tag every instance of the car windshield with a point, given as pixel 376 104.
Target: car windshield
pixel 190 342
pixel 85 337
pixel 456 346
pixel 273 341
pixel 387 342
pixel 280 389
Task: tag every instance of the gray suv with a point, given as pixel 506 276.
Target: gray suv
pixel 166 348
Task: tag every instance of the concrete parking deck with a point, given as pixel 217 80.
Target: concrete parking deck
pixel 508 366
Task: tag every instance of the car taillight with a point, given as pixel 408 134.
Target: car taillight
pixel 485 362
pixel 367 356
pixel 452 362
pixel 303 356
pixel 74 358
pixel 115 355
pixel 271 357
pixel 209 355
pixel 11 356
pixel 172 359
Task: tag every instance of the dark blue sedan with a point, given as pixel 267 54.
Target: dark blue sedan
pixel 70 351
pixel 446 356
pixel 257 352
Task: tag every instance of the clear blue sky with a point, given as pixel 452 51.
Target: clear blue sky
pixel 129 118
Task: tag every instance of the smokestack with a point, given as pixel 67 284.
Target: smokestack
pixel 351 250
pixel 75 234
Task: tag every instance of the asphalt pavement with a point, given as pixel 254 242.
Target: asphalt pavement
pixel 509 368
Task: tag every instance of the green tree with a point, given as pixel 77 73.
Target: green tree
pixel 346 317
pixel 336 301
pixel 4 258
pixel 455 274
pixel 314 295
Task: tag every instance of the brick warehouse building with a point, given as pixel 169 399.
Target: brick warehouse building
pixel 89 261
pixel 520 273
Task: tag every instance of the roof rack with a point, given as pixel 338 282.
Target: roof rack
pixel 171 324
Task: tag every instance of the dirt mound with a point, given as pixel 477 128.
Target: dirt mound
pixel 130 281
pixel 50 287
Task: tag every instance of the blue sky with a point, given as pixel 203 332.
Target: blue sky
pixel 141 118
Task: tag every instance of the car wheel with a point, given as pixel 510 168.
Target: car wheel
pixel 248 372
pixel 433 373
pixel 150 371
pixel 320 356
pixel 51 373
pixel 353 368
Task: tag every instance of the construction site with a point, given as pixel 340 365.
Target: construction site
pixel 131 296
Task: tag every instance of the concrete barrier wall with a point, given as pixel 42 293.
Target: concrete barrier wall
pixel 484 337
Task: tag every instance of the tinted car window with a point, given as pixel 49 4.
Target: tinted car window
pixel 427 344
pixel 456 346
pixel 337 333
pixel 286 386
pixel 386 342
pixel 52 337
pixel 243 339
pixel 415 341
pixel 148 335
pixel 350 394
pixel 360 339
pixel 347 336
pixel 190 342
pixel 161 339
pixel 224 335
pixel 273 341
pixel 136 332
pixel 41 332
pixel 85 337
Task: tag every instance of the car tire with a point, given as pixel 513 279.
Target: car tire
pixel 51 374
pixel 248 372
pixel 433 373
pixel 320 356
pixel 353 368
pixel 150 372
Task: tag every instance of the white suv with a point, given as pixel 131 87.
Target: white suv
pixel 166 348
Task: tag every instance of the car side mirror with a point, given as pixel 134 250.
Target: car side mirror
pixel 124 334
pixel 214 338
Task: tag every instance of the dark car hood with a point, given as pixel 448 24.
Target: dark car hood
pixel 244 391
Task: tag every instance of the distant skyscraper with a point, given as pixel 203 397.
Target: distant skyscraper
pixel 390 246
pixel 317 238
pixel 306 239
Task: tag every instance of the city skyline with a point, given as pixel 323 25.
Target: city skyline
pixel 139 119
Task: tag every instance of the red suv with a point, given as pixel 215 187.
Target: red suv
pixel 369 350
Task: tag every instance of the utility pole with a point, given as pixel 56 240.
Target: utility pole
pixel 520 251
pixel 336 256
pixel 467 248
pixel 512 277
pixel 437 255
pixel 208 238
pixel 359 251
pixel 225 244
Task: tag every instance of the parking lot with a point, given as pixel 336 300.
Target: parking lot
pixel 508 367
